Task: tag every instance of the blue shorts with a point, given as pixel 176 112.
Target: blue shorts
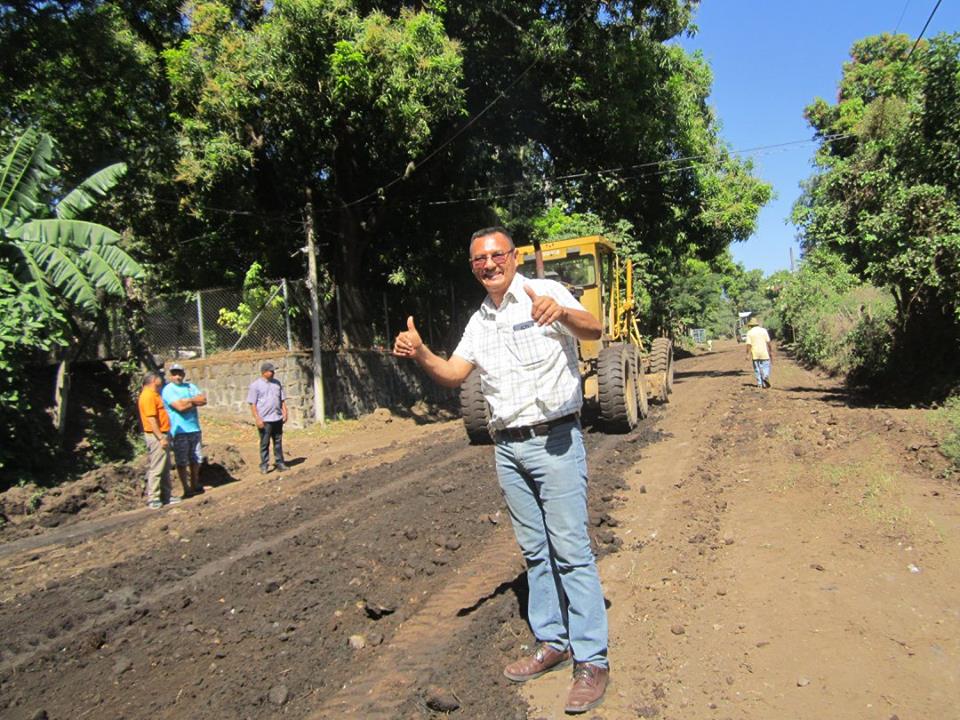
pixel 186 449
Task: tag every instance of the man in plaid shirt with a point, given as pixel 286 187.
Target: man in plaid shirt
pixel 523 341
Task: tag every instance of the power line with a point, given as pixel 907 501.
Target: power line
pixel 288 219
pixel 466 126
pixel 665 167
pixel 925 25
pixel 902 13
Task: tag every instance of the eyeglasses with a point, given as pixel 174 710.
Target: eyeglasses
pixel 499 258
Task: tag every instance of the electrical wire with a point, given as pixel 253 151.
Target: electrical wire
pixel 663 167
pixel 925 25
pixel 466 126
pixel 902 13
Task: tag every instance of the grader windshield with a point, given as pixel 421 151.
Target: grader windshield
pixel 579 271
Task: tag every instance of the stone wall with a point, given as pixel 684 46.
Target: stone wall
pixel 354 382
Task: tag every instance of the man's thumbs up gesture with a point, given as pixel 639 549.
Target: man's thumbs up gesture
pixel 408 342
pixel 545 310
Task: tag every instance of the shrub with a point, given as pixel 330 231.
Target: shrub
pixel 949 420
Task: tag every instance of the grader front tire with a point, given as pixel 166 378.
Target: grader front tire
pixel 617 367
pixel 474 409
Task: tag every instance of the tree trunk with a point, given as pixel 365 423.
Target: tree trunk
pixel 352 276
pixel 61 393
pixel 355 227
pixel 319 403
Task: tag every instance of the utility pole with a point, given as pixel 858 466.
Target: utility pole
pixel 318 399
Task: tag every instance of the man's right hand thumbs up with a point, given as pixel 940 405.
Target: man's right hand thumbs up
pixel 408 342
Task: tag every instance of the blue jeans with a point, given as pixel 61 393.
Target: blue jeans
pixel 544 481
pixel 271 429
pixel 761 368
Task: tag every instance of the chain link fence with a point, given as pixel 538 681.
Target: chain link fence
pixel 199 324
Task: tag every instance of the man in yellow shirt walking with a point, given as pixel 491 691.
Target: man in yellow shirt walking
pixel 758 350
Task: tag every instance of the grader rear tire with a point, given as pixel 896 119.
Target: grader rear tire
pixel 661 368
pixel 617 367
pixel 475 412
pixel 643 394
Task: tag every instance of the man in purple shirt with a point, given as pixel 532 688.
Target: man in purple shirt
pixel 268 405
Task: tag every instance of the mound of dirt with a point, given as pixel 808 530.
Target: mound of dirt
pixel 117 486
pixel 25 510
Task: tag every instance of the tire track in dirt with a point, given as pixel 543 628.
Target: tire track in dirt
pixel 387 684
pixel 424 641
pixel 648 522
pixel 214 567
pixel 156 635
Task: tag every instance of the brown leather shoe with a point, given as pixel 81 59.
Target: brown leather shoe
pixel 589 685
pixel 544 659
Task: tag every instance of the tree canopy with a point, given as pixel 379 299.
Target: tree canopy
pixel 888 172
pixel 406 127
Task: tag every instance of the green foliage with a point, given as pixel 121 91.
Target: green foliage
pixel 833 320
pixel 258 295
pixel 948 419
pixel 57 259
pixel 886 198
pixel 409 128
pixel 51 269
pixel 36 499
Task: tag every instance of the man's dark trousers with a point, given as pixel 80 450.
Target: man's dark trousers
pixel 271 429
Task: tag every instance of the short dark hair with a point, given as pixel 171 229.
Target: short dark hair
pixel 149 377
pixel 498 229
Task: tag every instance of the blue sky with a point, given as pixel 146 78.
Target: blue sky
pixel 770 59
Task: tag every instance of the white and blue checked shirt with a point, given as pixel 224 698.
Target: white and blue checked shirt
pixel 529 374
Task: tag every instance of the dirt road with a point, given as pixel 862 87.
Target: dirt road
pixel 765 554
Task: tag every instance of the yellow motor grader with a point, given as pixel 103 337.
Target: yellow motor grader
pixel 619 374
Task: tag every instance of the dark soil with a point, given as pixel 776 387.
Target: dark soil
pixel 253 617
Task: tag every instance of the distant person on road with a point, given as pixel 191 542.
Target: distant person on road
pixel 156 432
pixel 758 351
pixel 182 400
pixel 522 341
pixel 268 405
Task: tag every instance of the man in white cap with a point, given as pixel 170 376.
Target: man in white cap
pixel 182 399
pixel 268 405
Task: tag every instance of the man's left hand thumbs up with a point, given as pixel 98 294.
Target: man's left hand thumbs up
pixel 545 310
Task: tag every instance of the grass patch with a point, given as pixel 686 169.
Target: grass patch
pixel 876 493
pixel 946 422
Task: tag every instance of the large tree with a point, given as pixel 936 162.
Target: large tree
pixel 887 187
pixel 581 105
pixel 305 114
pixel 408 129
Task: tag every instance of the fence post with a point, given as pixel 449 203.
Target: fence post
pixel 203 341
pixel 386 320
pixel 318 399
pixel 336 295
pixel 286 315
pixel 453 307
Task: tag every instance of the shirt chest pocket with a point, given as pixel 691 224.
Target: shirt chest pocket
pixel 530 345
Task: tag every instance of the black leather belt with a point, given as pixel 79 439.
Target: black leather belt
pixel 530 431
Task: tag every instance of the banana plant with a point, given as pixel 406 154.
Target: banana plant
pixel 42 241
pixel 52 254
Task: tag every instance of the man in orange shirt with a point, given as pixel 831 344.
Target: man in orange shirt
pixel 156 429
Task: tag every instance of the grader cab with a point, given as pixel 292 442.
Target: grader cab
pixel 620 376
